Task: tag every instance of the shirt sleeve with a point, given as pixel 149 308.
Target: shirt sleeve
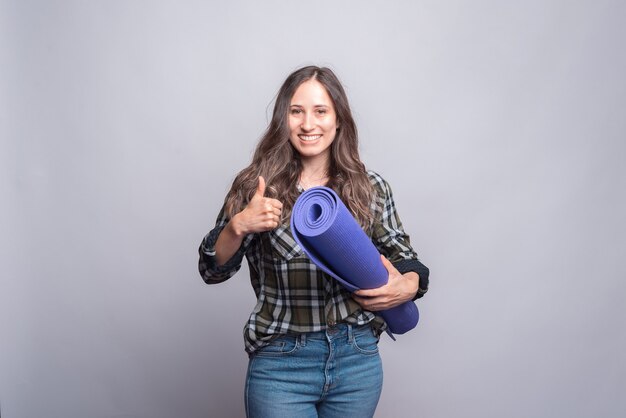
pixel 207 265
pixel 390 239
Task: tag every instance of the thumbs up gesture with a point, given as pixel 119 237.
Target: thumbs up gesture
pixel 261 214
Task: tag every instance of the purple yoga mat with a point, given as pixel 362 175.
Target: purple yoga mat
pixel 331 237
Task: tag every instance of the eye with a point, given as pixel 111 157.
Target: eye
pixel 322 111
pixel 295 111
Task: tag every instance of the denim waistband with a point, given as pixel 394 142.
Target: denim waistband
pixel 335 332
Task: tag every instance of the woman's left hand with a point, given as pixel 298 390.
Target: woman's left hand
pixel 400 288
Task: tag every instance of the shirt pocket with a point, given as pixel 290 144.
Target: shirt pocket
pixel 284 246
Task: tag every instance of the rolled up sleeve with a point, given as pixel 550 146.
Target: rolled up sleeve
pixel 207 265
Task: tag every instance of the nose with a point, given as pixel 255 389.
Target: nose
pixel 307 122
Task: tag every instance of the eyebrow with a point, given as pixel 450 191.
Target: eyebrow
pixel 318 105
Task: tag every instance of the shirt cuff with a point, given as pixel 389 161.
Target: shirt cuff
pixel 208 248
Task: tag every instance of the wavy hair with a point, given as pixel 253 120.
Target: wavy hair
pixel 280 165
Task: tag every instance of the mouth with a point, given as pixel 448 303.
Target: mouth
pixel 309 137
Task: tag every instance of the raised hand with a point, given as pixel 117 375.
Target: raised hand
pixel 261 214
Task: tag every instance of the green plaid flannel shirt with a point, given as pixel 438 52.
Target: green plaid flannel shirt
pixel 294 295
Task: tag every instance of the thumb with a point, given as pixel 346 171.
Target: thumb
pixel 386 263
pixel 260 189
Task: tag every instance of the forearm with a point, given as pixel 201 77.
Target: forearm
pixel 228 242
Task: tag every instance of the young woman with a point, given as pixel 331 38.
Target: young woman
pixel 312 345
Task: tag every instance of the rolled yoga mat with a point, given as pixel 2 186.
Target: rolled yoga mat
pixel 331 237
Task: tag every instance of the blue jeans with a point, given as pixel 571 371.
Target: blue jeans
pixel 331 373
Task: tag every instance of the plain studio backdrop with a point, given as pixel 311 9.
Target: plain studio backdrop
pixel 500 126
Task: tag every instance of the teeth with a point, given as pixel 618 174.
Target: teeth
pixel 309 137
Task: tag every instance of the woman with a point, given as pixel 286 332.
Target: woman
pixel 313 346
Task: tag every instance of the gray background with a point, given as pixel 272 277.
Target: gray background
pixel 500 126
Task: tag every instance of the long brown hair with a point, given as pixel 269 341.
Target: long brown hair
pixel 279 163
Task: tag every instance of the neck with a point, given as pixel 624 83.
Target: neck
pixel 314 173
pixel 315 168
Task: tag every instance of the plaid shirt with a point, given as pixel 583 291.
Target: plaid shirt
pixel 294 295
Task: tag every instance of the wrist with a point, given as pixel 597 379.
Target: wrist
pixel 236 226
pixel 413 280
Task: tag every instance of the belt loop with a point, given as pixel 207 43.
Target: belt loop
pixel 303 339
pixel 350 334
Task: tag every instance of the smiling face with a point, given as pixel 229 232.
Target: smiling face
pixel 312 121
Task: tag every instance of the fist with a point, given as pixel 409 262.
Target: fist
pixel 262 213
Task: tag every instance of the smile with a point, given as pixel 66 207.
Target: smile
pixel 309 137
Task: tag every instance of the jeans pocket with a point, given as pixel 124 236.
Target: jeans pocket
pixel 280 346
pixel 364 341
